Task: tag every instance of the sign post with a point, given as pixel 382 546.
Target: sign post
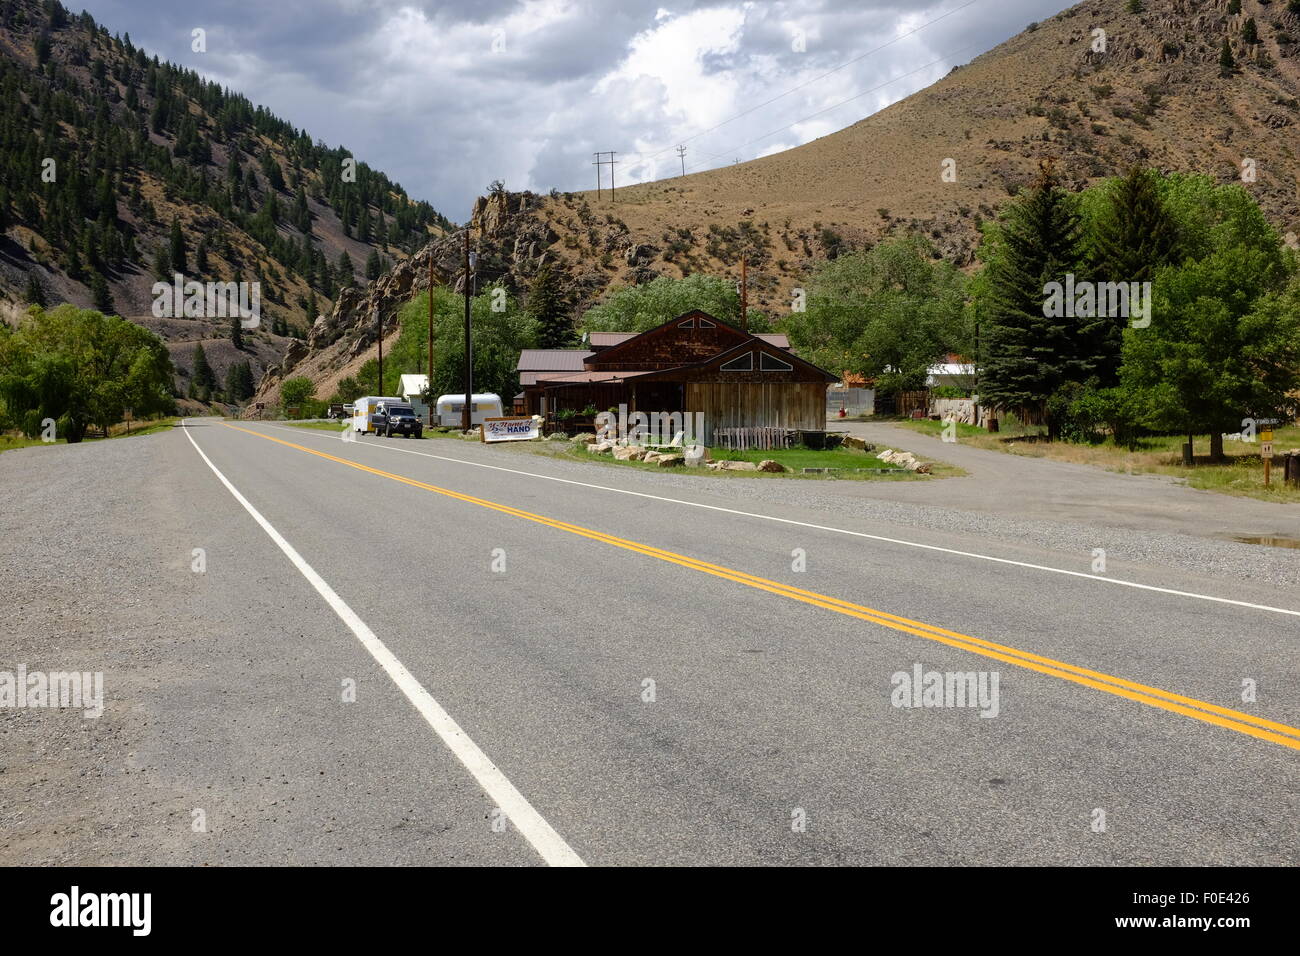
pixel 1266 451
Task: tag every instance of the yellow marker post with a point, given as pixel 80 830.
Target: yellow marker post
pixel 1266 451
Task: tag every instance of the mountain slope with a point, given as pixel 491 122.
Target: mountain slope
pixel 1155 97
pixel 104 148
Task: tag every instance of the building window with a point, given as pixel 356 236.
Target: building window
pixel 688 324
pixel 770 363
pixel 742 363
pixel 706 324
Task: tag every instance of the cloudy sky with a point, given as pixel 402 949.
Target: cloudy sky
pixel 446 97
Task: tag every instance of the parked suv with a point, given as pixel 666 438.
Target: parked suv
pixel 392 420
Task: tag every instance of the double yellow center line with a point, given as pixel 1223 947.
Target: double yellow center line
pixel 1258 727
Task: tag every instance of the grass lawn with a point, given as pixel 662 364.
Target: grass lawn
pixel 1242 474
pixel 11 440
pixel 794 459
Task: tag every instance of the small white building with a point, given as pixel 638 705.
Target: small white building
pixel 412 388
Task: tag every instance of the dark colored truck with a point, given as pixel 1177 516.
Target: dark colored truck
pixel 390 420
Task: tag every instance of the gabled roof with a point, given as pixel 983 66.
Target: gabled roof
pixel 761 346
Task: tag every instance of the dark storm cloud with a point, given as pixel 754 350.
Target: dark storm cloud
pixel 445 97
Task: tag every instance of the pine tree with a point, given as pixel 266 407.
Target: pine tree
pixel 1234 7
pixel 34 294
pixel 344 270
pixel 374 265
pixel 203 380
pixel 176 248
pixel 201 257
pixel 1249 32
pixel 103 298
pixel 1031 355
pixel 549 308
pixel 1133 236
pixel 1227 64
pixel 236 332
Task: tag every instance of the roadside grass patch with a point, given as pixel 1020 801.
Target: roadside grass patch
pixel 794 459
pixel 16 439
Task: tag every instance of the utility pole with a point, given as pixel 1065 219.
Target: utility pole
pixel 379 322
pixel 429 385
pixel 605 162
pixel 469 346
pixel 744 294
pixel 681 154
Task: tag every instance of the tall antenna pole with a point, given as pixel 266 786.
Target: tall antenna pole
pixel 681 154
pixel 597 165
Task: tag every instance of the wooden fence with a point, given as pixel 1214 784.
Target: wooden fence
pixel 747 439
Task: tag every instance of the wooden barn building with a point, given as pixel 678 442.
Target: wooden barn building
pixel 693 363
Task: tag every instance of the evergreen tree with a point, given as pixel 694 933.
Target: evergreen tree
pixel 176 248
pixel 1227 65
pixel 344 270
pixel 1249 32
pixel 201 257
pixel 1132 235
pixel 202 380
pixel 1031 354
pixel 1234 7
pixel 34 294
pixel 236 332
pixel 549 308
pixel 374 265
pixel 102 297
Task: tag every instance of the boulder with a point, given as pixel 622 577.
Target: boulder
pixel 629 453
pixel 670 461
pixel 767 464
pixel 602 447
pixel 585 438
pixel 734 466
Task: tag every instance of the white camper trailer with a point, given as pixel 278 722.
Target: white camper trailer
pixel 364 408
pixel 482 405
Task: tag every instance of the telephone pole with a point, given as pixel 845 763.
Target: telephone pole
pixel 605 162
pixel 379 323
pixel 681 154
pixel 469 345
pixel 429 384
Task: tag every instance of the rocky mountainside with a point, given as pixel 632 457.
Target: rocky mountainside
pixel 119 168
pixel 1150 88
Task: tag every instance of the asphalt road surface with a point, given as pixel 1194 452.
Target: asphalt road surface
pixel 437 652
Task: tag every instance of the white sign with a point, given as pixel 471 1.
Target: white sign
pixel 508 429
pixel 1266 449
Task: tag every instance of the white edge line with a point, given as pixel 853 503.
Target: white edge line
pixel 821 527
pixel 540 834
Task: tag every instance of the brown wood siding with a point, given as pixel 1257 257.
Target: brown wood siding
pixel 745 405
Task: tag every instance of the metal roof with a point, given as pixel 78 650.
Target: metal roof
pixel 551 360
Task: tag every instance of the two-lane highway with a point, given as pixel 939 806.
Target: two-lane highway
pixel 633 679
